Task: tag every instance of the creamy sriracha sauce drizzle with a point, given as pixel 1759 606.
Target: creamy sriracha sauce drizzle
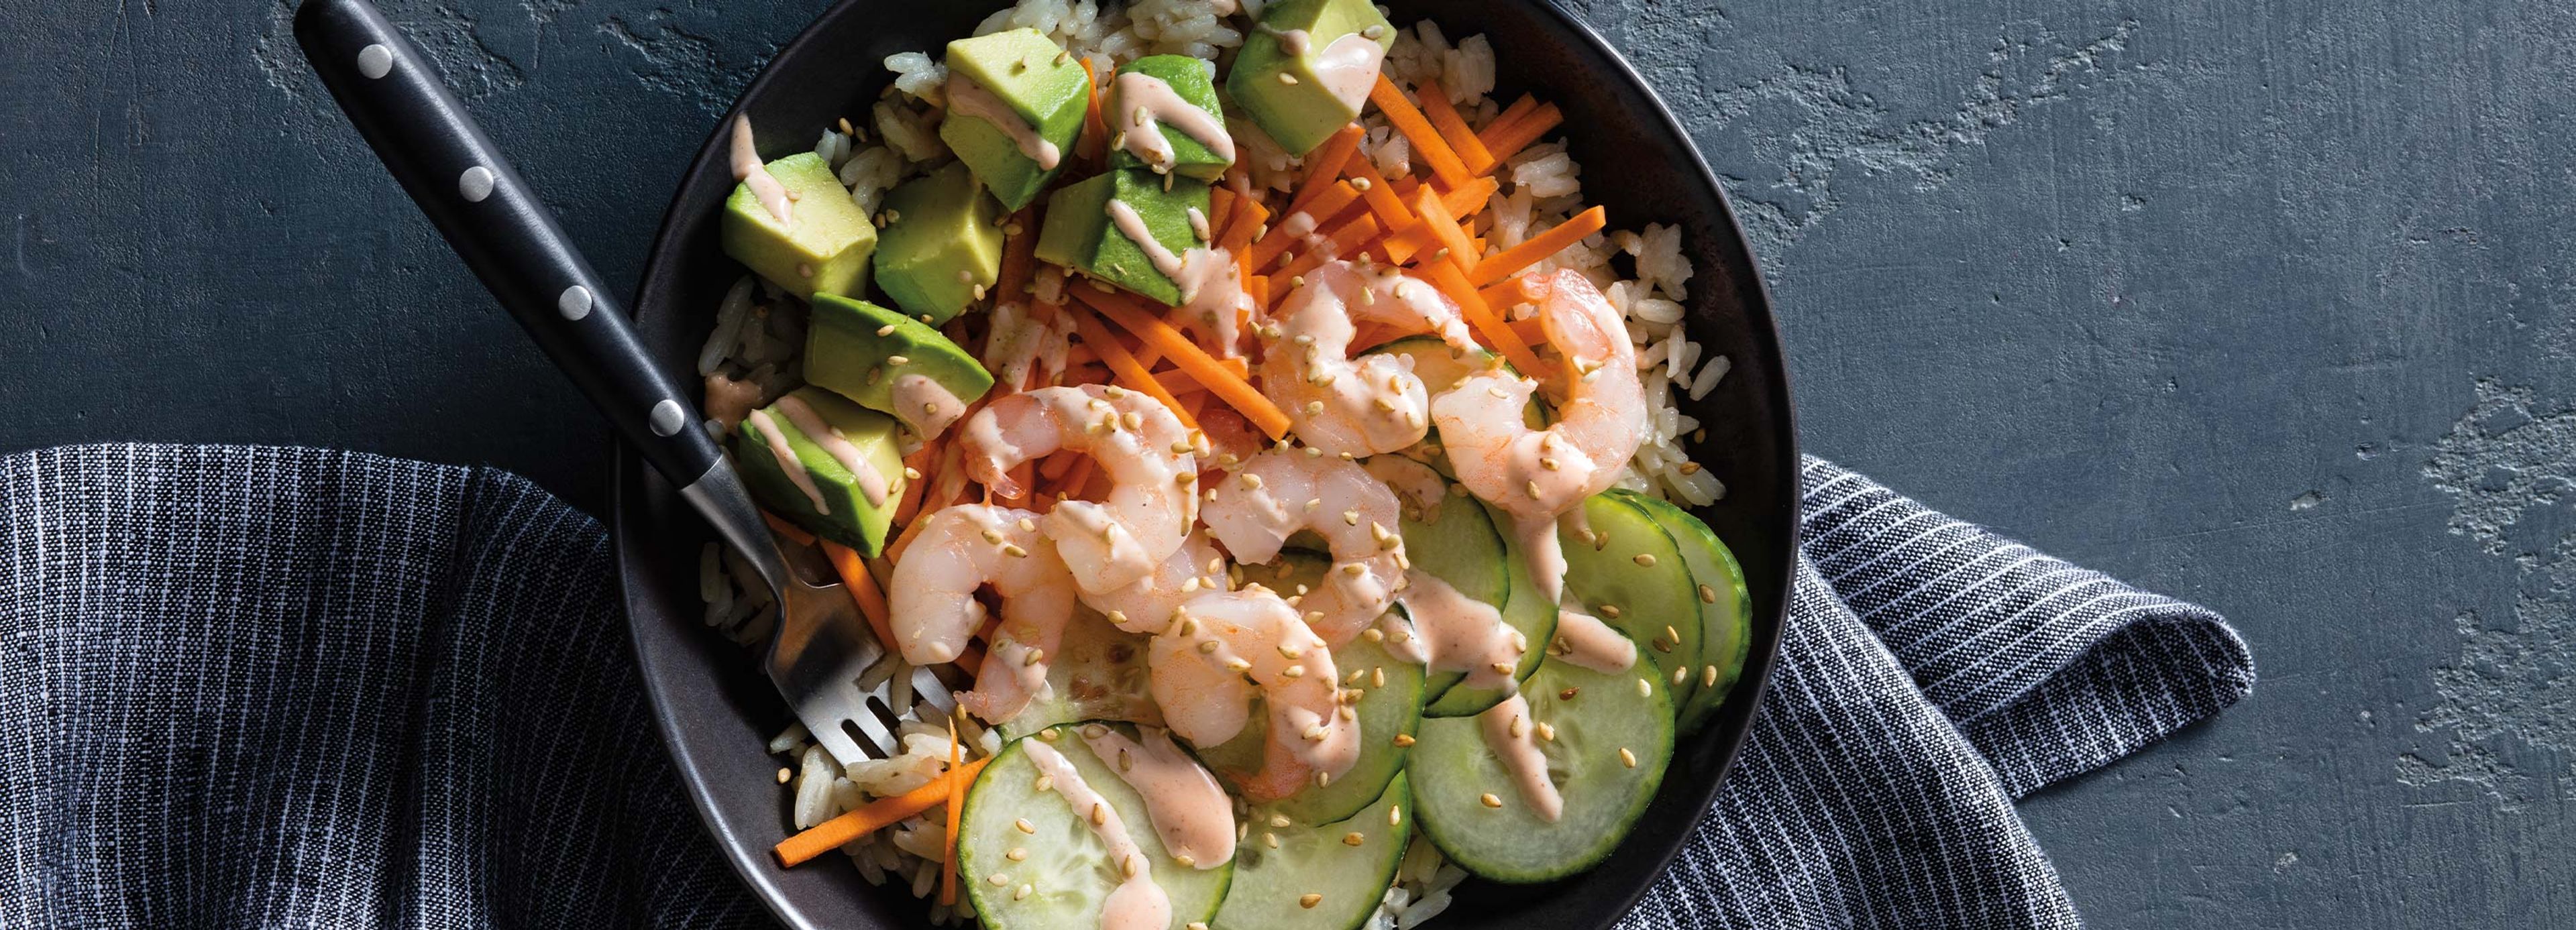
pixel 1511 734
pixel 1456 633
pixel 1348 68
pixel 924 406
pixel 776 440
pixel 1292 41
pixel 969 98
pixel 1145 103
pixel 1188 809
pixel 747 168
pixel 1210 289
pixel 872 484
pixel 1138 903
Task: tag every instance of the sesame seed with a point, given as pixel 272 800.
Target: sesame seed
pixel 1681 675
pixel 1690 468
pixel 1373 634
pixel 1533 492
pixel 1314 407
pixel 1185 478
pixel 1185 860
pixel 1568 694
pixel 1045 783
pixel 1028 526
pixel 886 330
pixel 1239 665
pixel 998 879
pixel 1377 676
pixel 1014 550
pixel 992 535
pixel 1310 899
pixel 1207 646
pixel 1351 518
pixel 1017 854
pixel 1502 668
pixel 1323 779
pixel 911 474
pixel 1022 894
pixel 1661 645
pixel 1290 652
pixel 1645 559
pixel 1128 867
pixel 1490 800
pixel 1627 758
pixel 1126 762
pixel 1645 688
pixel 1347 714
pixel 1270 839
pixel 1612 611
pixel 1360 184
pixel 1353 838
pixel 1099 813
pixel 1707 595
pixel 785 775
pixel 1023 825
pixel 1547 731
pixel 1520 725
pixel 1672 634
pixel 1034 657
pixel 1293 671
pixel 1287 78
pixel 1708 677
pixel 1402 740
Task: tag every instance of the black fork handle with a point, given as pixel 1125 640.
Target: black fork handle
pixel 495 222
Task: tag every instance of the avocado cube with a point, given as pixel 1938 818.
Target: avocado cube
pixel 1296 77
pixel 1079 233
pixel 1040 85
pixel 1188 78
pixel 862 351
pixel 824 245
pixel 942 246
pixel 846 452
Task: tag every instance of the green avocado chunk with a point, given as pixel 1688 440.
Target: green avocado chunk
pixel 941 247
pixel 1188 78
pixel 1079 233
pixel 824 245
pixel 863 351
pixel 846 452
pixel 1033 78
pixel 1288 74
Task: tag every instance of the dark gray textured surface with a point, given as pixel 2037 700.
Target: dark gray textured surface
pixel 2263 306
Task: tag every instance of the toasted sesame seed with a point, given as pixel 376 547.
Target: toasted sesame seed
pixel 911 474
pixel 1645 559
pixel 1490 800
pixel 1547 731
pixel 1708 677
pixel 1707 595
pixel 1014 550
pixel 1519 726
pixel 1185 860
pixel 1662 645
pixel 1185 478
pixel 1270 839
pixel 1353 838
pixel 1207 646
pixel 1502 668
pixel 1373 634
pixel 1377 676
pixel 1681 675
pixel 1045 783
pixel 1293 671
pixel 1239 665
pixel 1645 688
pixel 1028 526
pixel 1672 634
pixel 785 775
pixel 1023 825
pixel 1568 694
pixel 1403 739
pixel 1627 758
pixel 1017 854
pixel 1309 899
pixel 1533 490
pixel 1099 813
pixel 1287 78
pixel 1610 610
pixel 898 360
pixel 1023 893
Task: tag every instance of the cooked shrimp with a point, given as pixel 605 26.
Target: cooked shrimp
pixel 1226 644
pixel 1146 604
pixel 1284 490
pixel 933 611
pixel 1352 406
pixel 1137 440
pixel 1537 475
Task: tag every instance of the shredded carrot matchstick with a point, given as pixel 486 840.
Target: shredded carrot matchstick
pixel 863 588
pixel 1182 385
pixel 1538 248
pixel 948 849
pixel 1383 199
pixel 920 461
pixel 1094 140
pixel 1345 240
pixel 1435 151
pixel 1464 201
pixel 1220 209
pixel 1444 230
pixel 933 500
pixel 1506 295
pixel 1503 120
pixel 876 815
pixel 1482 317
pixel 1019 257
pixel 787 531
pixel 1324 165
pixel 1319 212
pixel 1236 392
pixel 1529 330
pixel 1077 477
pixel 1453 127
pixel 1519 135
pixel 1130 373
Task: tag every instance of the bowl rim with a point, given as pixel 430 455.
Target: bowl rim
pixel 663 260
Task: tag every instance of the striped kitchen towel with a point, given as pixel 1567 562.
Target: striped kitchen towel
pixel 309 688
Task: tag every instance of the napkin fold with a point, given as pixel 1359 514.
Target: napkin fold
pixel 244 685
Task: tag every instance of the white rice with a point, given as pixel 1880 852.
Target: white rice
pixel 758 338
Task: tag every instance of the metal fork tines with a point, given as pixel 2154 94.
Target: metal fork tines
pixel 819 653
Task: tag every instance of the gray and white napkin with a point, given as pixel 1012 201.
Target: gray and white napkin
pixel 300 687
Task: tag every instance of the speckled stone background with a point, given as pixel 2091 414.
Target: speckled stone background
pixel 2270 306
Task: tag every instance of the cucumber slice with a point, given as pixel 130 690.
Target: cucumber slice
pixel 1631 567
pixel 1065 866
pixel 1457 543
pixel 1385 710
pixel 1097 673
pixel 1594 716
pixel 1525 610
pixel 1725 612
pixel 1271 884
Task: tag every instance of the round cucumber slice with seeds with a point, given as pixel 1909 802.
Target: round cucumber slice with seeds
pixel 1318 877
pixel 1525 610
pixel 1097 673
pixel 1457 543
pixel 1627 571
pixel 1012 836
pixel 1606 738
pixel 1390 706
pixel 1725 612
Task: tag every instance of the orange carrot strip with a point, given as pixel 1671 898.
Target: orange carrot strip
pixel 1249 214
pixel 910 502
pixel 863 588
pixel 1130 372
pixel 932 501
pixel 1079 476
pixel 1537 248
pixel 1383 199
pixel 1319 211
pixel 1481 316
pixel 1529 330
pixel 1019 258
pixel 787 531
pixel 1444 230
pixel 1236 392
pixel 1220 210
pixel 875 815
pixel 1324 165
pixel 1095 131
pixel 1462 201
pixel 1505 295
pixel 1181 384
pixel 1511 114
pixel 1345 240
pixel 1372 335
pixel 948 852
pixel 1259 288
pixel 1519 135
pixel 1453 127
pixel 1056 465
pixel 1417 130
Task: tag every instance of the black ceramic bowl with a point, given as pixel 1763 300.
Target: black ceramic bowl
pixel 715 709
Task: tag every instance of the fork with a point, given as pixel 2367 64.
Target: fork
pixel 819 647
